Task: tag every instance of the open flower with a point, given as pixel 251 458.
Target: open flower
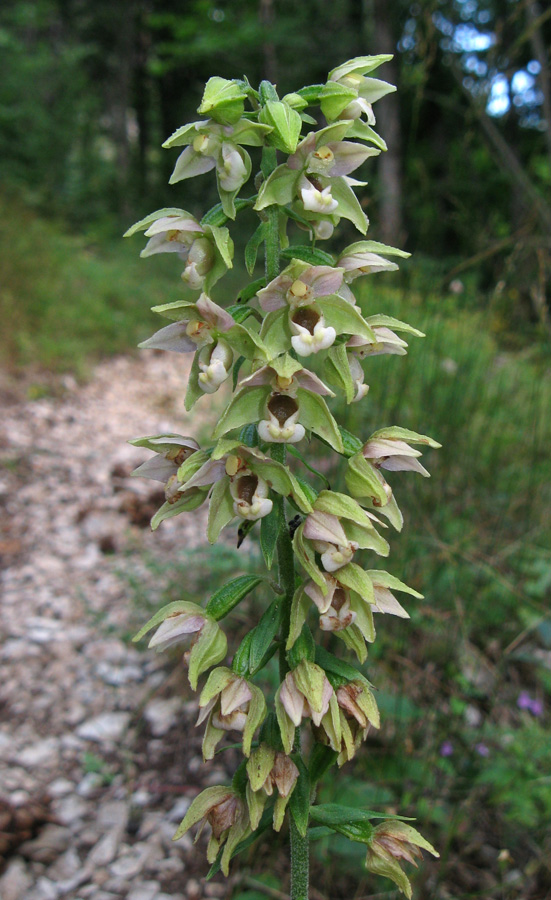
pixel 299 285
pixel 360 91
pixel 215 364
pixel 250 496
pixel 282 426
pixel 391 843
pixel 387 341
pixel 318 155
pixel 229 703
pixel 310 333
pixel 329 539
pixel 225 810
pixel 204 321
pixel 171 450
pixel 179 621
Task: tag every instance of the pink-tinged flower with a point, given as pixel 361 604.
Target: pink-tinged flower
pixel 287 380
pixel 304 693
pixel 300 285
pixel 334 606
pixel 232 167
pixel 269 771
pixel 393 455
pixel 250 496
pixel 329 539
pixel 391 843
pixel 357 263
pixel 205 320
pixel 297 701
pixel 225 811
pixel 172 234
pixel 229 703
pixel 362 91
pixel 314 156
pixel 177 627
pixel 171 450
pixel 281 426
pixel 387 342
pixel 215 364
pixel 446 749
pixel 316 197
pixel 358 703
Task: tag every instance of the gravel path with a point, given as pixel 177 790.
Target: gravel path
pixel 98 757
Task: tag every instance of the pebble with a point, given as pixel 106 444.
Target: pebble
pixel 15 881
pixel 105 728
pixel 70 678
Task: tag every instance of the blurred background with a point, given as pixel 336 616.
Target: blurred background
pixel 89 90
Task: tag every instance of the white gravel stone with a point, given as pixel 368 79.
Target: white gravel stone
pixel 105 728
pixel 42 753
pixel 148 890
pixel 162 715
pixel 15 881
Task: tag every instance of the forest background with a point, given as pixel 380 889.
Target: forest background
pixel 88 93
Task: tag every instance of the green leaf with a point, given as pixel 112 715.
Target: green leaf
pixel 236 369
pixel 331 663
pixel 394 324
pixel 335 814
pixel 345 318
pixel 247 407
pixel 394 432
pixel 184 135
pixel 314 414
pixel 253 244
pixel 228 596
pixel 278 188
pixel 210 649
pixel 374 247
pixel 299 803
pixel 217 216
pixel 349 206
pixel 363 480
pixel 342 505
pixel 189 502
pixel 152 217
pixel 240 663
pixel 334 98
pixel 267 92
pixel 364 132
pixel 263 635
pixel 351 443
pixel 390 581
pixel 336 371
pixel 270 526
pixel 249 133
pixel 300 606
pixel 311 93
pixel 306 488
pixel 285 122
pixel 224 244
pixel 276 332
pixel 251 290
pixel 220 510
pixel 354 577
pixel 310 255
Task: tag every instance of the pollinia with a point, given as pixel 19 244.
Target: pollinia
pixel 300 317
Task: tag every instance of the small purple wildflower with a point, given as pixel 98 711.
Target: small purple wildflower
pixel 446 749
pixel 482 749
pixel 533 705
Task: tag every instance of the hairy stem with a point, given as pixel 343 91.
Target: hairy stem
pixel 286 565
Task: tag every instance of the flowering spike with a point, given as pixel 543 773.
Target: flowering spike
pixel 266 342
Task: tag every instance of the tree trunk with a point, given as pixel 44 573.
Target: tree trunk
pixel 390 226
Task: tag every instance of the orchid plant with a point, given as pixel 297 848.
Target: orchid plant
pixel 303 312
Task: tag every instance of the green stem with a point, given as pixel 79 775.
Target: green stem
pixel 271 213
pixel 285 555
